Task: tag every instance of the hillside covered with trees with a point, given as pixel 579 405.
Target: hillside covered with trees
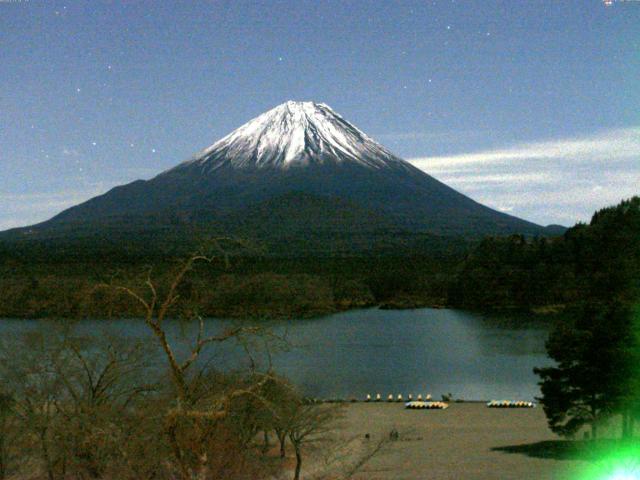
pixel 590 261
pixel 539 274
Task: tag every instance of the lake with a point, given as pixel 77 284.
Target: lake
pixel 373 351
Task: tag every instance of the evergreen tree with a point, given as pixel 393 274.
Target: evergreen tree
pixel 592 377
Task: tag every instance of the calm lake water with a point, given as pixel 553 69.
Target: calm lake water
pixel 373 351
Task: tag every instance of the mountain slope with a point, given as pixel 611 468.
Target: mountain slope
pixel 258 180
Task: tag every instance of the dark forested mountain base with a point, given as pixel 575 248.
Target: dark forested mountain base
pixel 542 275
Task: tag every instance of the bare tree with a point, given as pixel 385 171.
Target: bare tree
pixel 157 307
pixel 194 420
pixel 71 399
pixel 100 381
pixel 307 423
pixel 27 371
pixel 313 428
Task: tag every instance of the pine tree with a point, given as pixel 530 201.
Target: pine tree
pixel 591 380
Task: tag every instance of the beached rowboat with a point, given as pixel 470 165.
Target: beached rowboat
pixel 419 405
pixel 510 404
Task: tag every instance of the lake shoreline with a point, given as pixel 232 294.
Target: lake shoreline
pixel 542 316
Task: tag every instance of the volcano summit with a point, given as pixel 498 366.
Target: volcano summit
pixel 297 176
pixel 296 134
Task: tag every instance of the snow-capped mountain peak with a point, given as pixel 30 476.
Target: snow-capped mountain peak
pixel 295 134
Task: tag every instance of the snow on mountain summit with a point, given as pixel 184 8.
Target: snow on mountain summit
pixel 295 134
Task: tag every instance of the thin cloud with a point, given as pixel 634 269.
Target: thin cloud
pixel 615 144
pixel 561 181
pixel 474 178
pixel 21 209
pixel 430 136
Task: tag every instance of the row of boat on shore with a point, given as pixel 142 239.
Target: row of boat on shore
pixel 399 398
pixel 427 403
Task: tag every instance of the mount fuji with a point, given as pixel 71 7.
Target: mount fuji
pixel 296 177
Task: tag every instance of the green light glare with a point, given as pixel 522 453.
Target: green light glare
pixel 628 472
pixel 622 475
pixel 618 462
pixel 619 459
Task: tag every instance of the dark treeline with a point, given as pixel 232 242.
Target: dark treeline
pixel 64 285
pixel 588 261
pixel 543 275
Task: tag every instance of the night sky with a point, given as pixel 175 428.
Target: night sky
pixel 531 107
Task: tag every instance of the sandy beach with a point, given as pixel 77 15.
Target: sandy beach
pixel 466 441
